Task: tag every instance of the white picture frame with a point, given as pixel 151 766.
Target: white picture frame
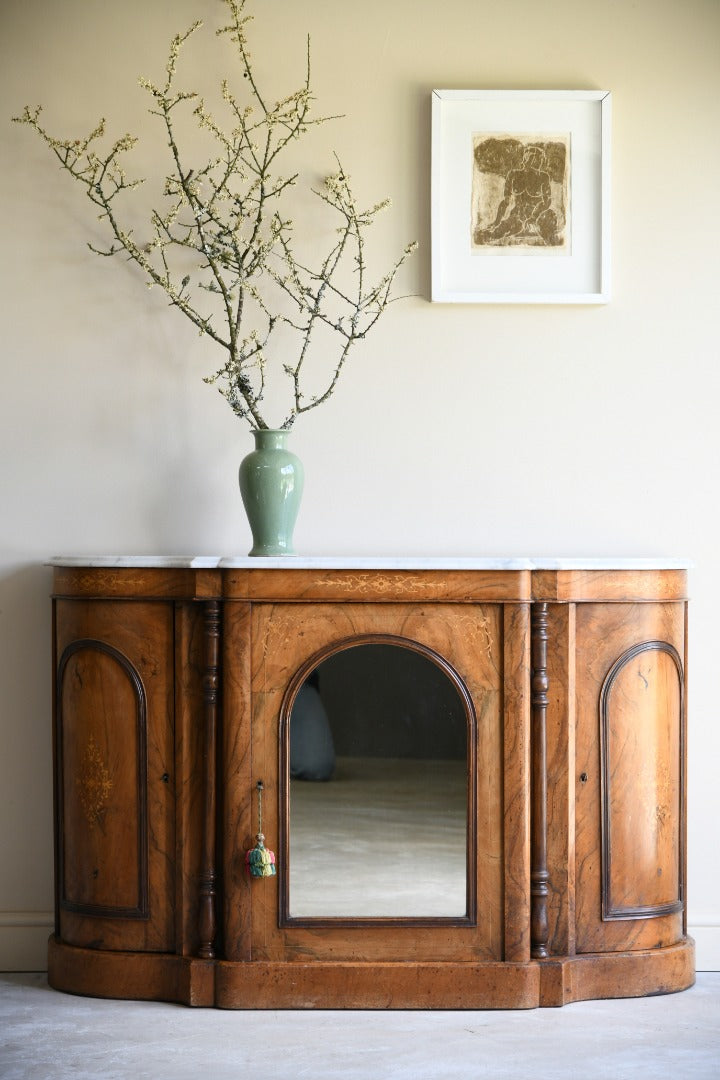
pixel 493 152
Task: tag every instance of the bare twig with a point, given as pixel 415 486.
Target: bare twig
pixel 220 247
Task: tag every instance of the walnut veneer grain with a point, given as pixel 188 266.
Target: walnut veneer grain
pixel 173 692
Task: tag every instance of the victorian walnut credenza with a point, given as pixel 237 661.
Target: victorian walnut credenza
pixel 472 775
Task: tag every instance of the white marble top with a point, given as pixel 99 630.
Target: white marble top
pixel 369 562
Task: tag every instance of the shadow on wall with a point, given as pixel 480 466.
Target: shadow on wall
pixel 25 737
pixel 25 636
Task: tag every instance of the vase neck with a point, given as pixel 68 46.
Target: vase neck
pixel 270 438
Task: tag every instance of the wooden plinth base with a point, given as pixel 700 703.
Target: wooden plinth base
pixel 333 985
pixel 131 976
pixel 597 976
pixel 378 986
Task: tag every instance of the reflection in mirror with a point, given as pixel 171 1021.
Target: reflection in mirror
pixel 378 802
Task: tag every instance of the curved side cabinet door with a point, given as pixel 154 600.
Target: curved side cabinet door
pixel 114 775
pixel 102 773
pixel 629 776
pixel 641 707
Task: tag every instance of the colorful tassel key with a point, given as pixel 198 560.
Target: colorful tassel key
pixel 260 861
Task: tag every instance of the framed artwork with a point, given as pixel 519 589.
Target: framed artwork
pixel 521 196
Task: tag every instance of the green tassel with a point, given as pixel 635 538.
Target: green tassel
pixel 259 860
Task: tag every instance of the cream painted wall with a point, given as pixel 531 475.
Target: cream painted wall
pixel 474 430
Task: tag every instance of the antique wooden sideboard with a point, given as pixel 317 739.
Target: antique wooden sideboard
pixel 175 682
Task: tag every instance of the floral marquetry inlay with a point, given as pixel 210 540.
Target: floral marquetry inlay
pixel 93 784
pixel 377 585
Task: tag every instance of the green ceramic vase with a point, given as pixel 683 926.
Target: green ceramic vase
pixel 271 484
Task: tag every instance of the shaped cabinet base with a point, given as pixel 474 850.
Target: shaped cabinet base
pixel 556 700
pixel 398 985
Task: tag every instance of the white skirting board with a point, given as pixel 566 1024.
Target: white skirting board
pixel 24 936
pixel 707 946
pixel 23 939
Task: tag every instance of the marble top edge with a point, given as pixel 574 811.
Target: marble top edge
pixel 150 562
pixel 634 562
pixel 367 562
pixel 379 562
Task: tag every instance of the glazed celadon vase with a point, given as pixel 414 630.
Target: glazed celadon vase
pixel 271 484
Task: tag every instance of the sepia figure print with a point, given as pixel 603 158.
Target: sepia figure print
pixel 520 195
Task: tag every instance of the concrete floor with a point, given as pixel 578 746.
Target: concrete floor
pixel 46 1035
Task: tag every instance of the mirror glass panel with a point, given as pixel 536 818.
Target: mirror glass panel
pixel 378 788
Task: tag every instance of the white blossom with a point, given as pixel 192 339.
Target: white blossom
pixel 221 248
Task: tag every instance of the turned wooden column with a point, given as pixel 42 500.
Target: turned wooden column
pixel 539 877
pixel 211 686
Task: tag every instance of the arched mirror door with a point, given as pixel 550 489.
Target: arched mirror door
pixel 378 740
